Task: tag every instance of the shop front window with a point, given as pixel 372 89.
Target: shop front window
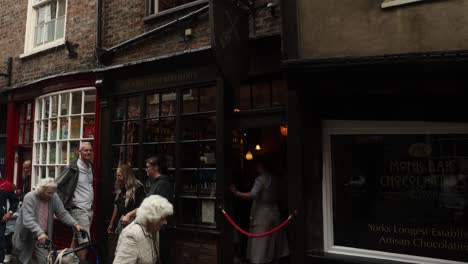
pixel 180 126
pixel 261 94
pixel 397 190
pixel 62 121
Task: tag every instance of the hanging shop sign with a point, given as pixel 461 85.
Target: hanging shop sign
pixel 229 40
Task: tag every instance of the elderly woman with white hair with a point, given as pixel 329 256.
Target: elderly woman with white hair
pixel 139 241
pixel 35 223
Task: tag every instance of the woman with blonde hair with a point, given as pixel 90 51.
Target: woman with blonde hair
pixel 130 196
pixel 139 241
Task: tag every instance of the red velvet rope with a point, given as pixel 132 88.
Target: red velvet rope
pixel 256 235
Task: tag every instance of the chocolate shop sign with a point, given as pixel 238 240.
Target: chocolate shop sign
pixel 403 194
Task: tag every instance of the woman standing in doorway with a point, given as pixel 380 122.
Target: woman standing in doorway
pixel 264 216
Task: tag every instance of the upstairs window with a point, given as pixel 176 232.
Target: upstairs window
pixel 45 26
pixel 158 6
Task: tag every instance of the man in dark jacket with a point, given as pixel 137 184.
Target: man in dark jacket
pixel 160 184
pixel 6 194
pixel 75 189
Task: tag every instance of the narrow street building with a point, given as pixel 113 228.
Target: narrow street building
pixel 378 130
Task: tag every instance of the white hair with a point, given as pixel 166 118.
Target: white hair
pixel 47 183
pixel 84 143
pixel 153 209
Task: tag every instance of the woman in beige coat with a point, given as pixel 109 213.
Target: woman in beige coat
pixel 139 241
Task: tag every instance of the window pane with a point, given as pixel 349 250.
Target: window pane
pixel 168 104
pixel 63 152
pixel 28 111
pixel 118 155
pixel 279 93
pixel 208 99
pixel 46 107
pixel 27 134
pixel 74 146
pixel 152 105
pixel 90 101
pixel 21 134
pixel 189 211
pixel 53 129
pixel 43 153
pixel 119 113
pixel 75 127
pixel 126 155
pixel 190 155
pixel 64 128
pixel 45 130
pixel 133 132
pixel 207 185
pixel 261 94
pixel 165 5
pixel 76 102
pixel 54 100
pixel 166 151
pixel 152 130
pixel 408 188
pixel 88 127
pixel 61 8
pixel 51 172
pixel 50 31
pixel 244 97
pixel 60 27
pixel 52 153
pixel 37 129
pixel 160 130
pixel 38 33
pixel 208 155
pixel 118 132
pixel 190 101
pixel 189 183
pixel 190 127
pixel 133 108
pixel 64 103
pixel 207 126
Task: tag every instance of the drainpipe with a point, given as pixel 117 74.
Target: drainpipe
pixel 99 32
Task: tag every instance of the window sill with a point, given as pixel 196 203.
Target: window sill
pixel 153 17
pixel 42 48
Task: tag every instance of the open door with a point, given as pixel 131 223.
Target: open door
pixel 249 144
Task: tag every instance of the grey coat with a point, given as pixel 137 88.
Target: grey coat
pixel 27 227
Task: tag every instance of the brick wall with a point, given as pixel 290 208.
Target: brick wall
pixel 80 31
pixel 124 21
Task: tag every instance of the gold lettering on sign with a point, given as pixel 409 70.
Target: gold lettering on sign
pixel 156 81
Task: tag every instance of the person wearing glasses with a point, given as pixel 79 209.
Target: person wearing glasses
pixel 35 222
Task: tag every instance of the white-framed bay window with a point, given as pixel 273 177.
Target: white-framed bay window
pixel 62 121
pixel 396 190
pixel 45 25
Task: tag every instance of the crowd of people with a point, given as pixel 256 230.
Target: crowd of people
pixel 139 219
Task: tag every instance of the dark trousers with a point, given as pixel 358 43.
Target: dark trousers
pixel 9 244
pixel 2 242
pixel 164 246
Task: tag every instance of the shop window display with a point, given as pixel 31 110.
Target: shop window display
pixel 160 123
pixel 62 120
pixel 398 190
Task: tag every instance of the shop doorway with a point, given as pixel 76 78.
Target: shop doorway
pixel 250 144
